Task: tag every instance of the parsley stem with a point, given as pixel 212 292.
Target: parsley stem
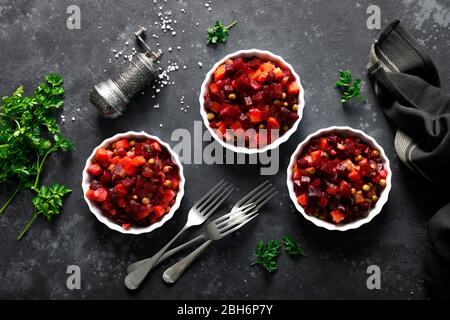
pixel 3 208
pixel 40 169
pixel 231 25
pixel 35 215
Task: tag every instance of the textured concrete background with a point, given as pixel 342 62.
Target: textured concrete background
pixel 317 38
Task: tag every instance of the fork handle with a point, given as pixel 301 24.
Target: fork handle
pixel 174 272
pixel 165 256
pixel 134 279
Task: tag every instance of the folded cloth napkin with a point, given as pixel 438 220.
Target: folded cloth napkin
pixel 437 268
pixel 407 85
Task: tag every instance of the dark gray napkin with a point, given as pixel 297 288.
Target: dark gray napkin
pixel 407 86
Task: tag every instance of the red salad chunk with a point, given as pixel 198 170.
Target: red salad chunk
pixel 338 179
pixel 134 182
pixel 252 94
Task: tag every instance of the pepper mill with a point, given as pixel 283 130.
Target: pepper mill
pixel 112 96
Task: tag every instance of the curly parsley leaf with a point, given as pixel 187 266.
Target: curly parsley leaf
pixel 218 33
pixel 292 247
pixel 267 253
pixel 29 133
pixel 47 202
pixel 348 88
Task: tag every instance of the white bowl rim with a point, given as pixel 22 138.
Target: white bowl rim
pixel 269 56
pixel 97 212
pixel 383 196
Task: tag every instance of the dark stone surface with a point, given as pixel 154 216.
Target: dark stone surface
pixel 317 38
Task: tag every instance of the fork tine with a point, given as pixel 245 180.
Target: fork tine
pixel 211 197
pixel 230 217
pixel 206 212
pixel 258 206
pixel 225 225
pixel 262 196
pixel 241 224
pixel 209 193
pixel 251 193
pixel 260 193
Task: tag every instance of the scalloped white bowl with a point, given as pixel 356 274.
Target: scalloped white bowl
pixel 264 55
pixel 97 212
pixel 383 196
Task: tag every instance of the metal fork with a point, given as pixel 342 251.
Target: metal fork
pixel 198 214
pixel 259 196
pixel 216 230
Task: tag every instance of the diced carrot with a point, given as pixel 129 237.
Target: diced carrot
pixel 267 67
pixel 272 123
pixel 337 215
pixel 220 72
pixel 122 144
pixel 278 73
pixel 303 199
pixel 293 88
pixel 138 161
pixel 214 88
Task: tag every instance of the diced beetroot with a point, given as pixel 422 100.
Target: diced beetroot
pixel 323 144
pixel 106 177
pixel 100 195
pixel 345 189
pixel 126 226
pixel 254 85
pixel 248 101
pixel 354 176
pixel 158 211
pixel 230 111
pixel 143 212
pixel 323 201
pixel 332 189
pixel 257 115
pixel 168 196
pixel 95 169
pixel 156 147
pixel 215 107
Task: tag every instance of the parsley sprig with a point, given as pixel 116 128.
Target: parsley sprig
pixel 267 253
pixel 292 247
pixel 218 32
pixel 29 133
pixel 348 88
pixel 48 203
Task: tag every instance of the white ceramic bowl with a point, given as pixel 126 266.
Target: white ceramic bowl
pixel 94 208
pixel 383 196
pixel 264 55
